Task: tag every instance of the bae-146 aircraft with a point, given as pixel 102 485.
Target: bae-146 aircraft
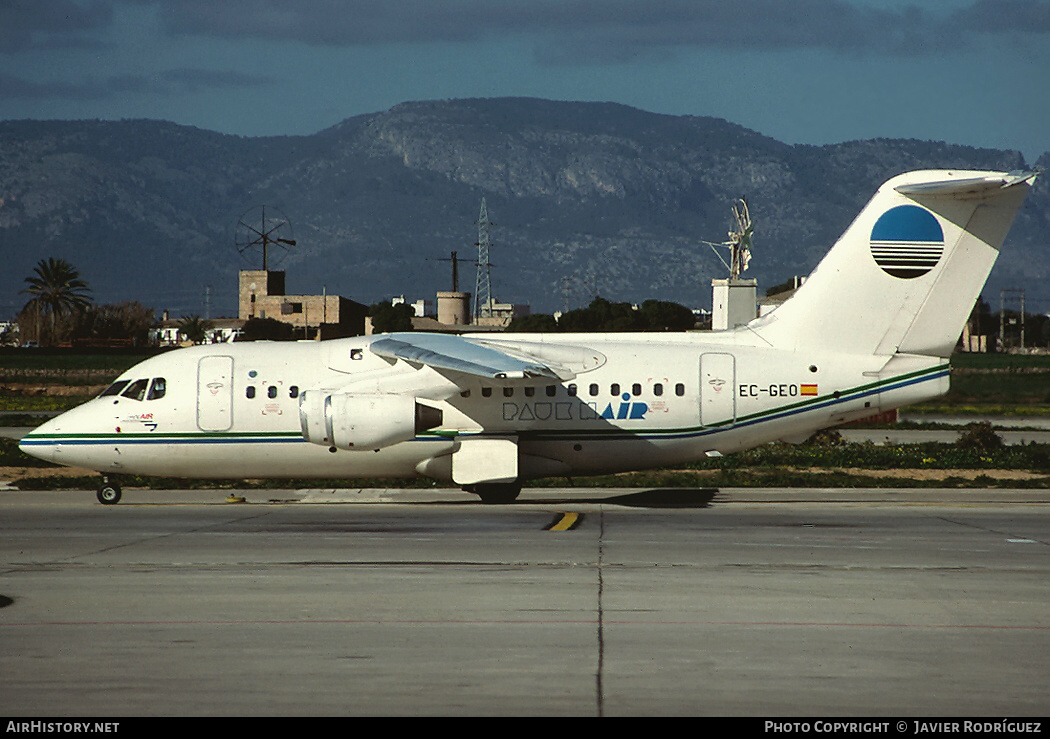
pixel 870 330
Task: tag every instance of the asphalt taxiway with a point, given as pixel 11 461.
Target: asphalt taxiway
pixel 571 601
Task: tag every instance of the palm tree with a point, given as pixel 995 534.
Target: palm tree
pixel 57 292
pixel 195 328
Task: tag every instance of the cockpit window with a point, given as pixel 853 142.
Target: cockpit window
pixel 115 388
pixel 136 390
pixel 157 389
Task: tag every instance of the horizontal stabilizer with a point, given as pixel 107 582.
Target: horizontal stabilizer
pixel 974 186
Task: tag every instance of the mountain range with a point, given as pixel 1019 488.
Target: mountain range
pixel 585 199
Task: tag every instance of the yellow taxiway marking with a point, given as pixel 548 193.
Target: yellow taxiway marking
pixel 565 522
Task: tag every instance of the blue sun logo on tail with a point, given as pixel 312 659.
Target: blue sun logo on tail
pixel 907 241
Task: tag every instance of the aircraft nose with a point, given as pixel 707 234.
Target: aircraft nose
pixel 28 448
pixel 40 442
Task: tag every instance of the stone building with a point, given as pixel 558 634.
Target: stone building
pixel 262 295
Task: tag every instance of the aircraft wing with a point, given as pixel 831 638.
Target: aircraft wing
pixel 456 354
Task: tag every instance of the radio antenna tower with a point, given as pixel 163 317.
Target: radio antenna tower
pixel 483 286
pixel 739 242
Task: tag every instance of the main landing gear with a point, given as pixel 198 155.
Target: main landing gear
pixel 495 493
pixel 108 491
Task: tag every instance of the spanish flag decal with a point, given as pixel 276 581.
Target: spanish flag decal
pixel 807 389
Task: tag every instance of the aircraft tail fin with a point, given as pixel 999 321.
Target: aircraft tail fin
pixel 907 272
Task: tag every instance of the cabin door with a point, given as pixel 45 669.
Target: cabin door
pixel 717 389
pixel 215 393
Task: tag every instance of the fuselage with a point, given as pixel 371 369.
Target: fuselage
pixel 233 410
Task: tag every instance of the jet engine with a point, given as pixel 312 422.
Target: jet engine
pixel 363 422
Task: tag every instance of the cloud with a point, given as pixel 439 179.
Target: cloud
pixel 561 31
pixel 198 80
pixel 29 24
pixel 1011 16
pixel 174 81
pixel 16 88
pixel 580 30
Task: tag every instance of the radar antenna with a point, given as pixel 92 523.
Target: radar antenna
pixel 455 268
pixel 739 241
pixel 261 228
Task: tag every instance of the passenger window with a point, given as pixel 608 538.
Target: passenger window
pixel 614 389
pixel 636 389
pixel 508 392
pixel 552 390
pixel 572 390
pixel 115 388
pixel 593 389
pixel 136 390
pixel 465 394
pixel 271 392
pixel 157 389
pixel 250 392
pixel 293 391
pixel 486 392
pixel 679 389
pixel 658 389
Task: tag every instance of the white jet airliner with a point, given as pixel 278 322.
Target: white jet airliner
pixel 870 330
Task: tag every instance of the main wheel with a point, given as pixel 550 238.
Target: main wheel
pixel 108 493
pixel 495 493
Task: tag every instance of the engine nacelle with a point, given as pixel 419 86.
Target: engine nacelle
pixel 363 422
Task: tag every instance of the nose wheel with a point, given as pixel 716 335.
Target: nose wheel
pixel 108 492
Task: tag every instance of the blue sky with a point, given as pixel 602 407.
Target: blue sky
pixel 973 72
